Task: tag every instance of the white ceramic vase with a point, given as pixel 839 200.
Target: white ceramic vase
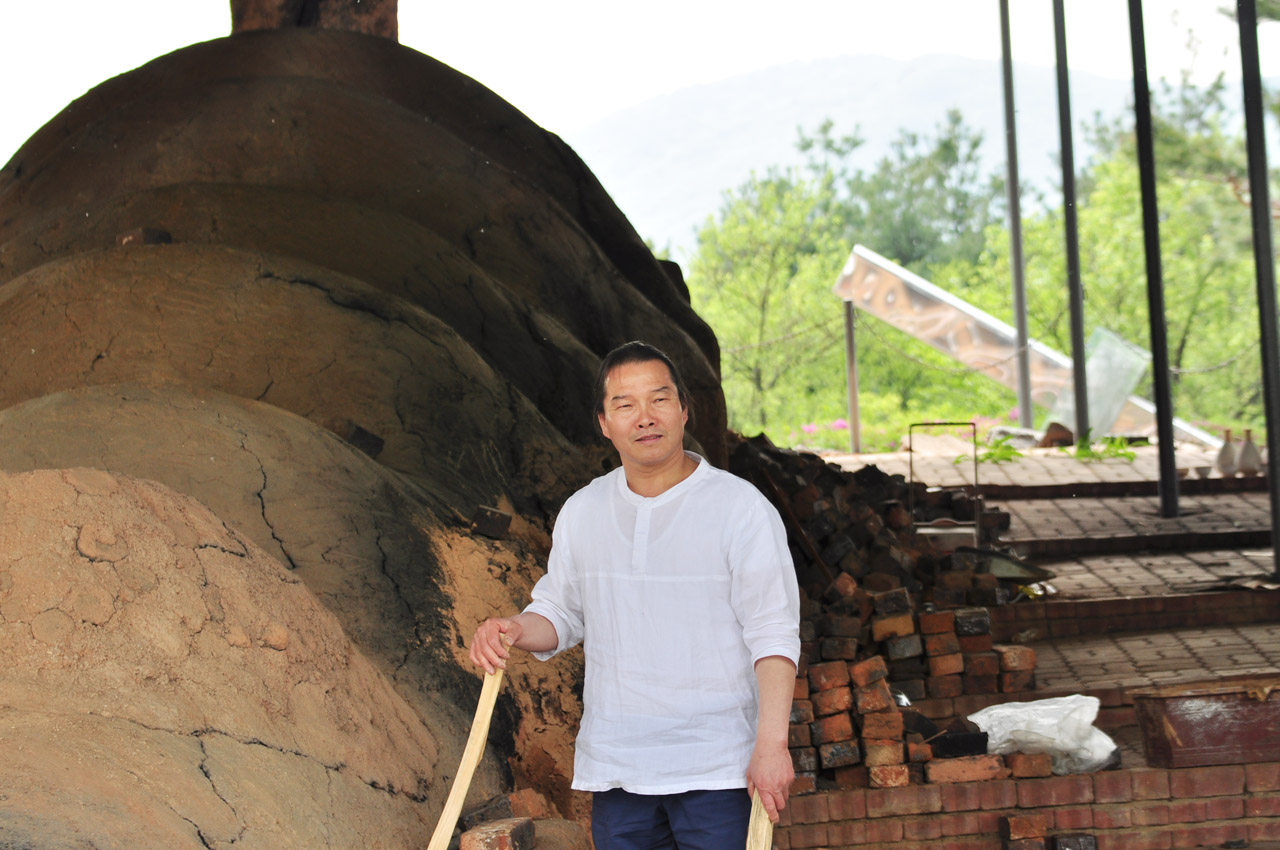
pixel 1226 462
pixel 1248 459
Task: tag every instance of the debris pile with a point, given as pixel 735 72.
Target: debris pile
pixel 889 618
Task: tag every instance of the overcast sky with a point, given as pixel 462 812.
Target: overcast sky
pixel 568 63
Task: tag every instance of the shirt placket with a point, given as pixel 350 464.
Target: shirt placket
pixel 640 537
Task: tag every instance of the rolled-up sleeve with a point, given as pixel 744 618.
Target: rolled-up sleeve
pixel 557 595
pixel 764 592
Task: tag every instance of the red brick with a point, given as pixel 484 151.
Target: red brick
pixel 1112 786
pixel 1263 806
pixel 846 833
pixel 855 776
pixel 1213 835
pixel 1150 784
pixel 844 648
pixel 802 688
pixel 968 823
pixel 935 709
pixel 1224 808
pixel 801 711
pixel 1072 817
pixel 879 831
pixel 921 829
pixel 1029 765
pixel 946 665
pixel 966 769
pixel 941 687
pixel 945 643
pixel 874 697
pixel 878 752
pixel 798 735
pixel 804 759
pixel 503 834
pixel 837 727
pixel 1025 844
pixel 832 701
pixel 828 675
pixel 1207 781
pixel 1013 657
pixel 975 643
pixel 781 840
pixel 963 797
pixel 1017 681
pixel 804 783
pixel 894 625
pixel 981 663
pixel 1013 827
pixel 975 843
pixel 889 776
pixel 974 684
pixel 812 809
pixel 955 580
pixel 839 754
pixel 882 724
pixel 1135 840
pixel 847 805
pixel 919 753
pixel 1001 794
pixel 1186 811
pixel 1265 831
pixel 809 835
pixel 1055 791
pixel 895 802
pixel 1150 814
pixel 937 622
pixel 868 670
pixel 1112 817
pixel 1262 777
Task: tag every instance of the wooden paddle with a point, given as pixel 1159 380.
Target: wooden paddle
pixel 759 828
pixel 470 758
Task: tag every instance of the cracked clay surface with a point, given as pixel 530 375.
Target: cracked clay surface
pixel 172 685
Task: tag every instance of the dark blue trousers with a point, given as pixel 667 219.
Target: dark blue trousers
pixel 693 820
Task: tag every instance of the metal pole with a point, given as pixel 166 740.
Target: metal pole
pixel 1015 227
pixel 851 375
pixel 1263 253
pixel 1155 283
pixel 1074 287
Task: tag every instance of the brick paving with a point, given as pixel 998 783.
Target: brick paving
pixel 1143 658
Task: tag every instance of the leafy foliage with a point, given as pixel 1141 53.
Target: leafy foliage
pixel 764 265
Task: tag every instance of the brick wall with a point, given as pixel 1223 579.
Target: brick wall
pixel 1139 809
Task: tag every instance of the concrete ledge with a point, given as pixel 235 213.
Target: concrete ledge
pixel 1070 618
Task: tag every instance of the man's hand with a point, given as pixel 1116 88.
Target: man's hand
pixel 771 772
pixel 489 645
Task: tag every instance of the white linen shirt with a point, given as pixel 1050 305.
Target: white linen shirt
pixel 675 598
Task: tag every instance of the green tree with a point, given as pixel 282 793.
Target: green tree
pixel 926 202
pixel 764 268
pixel 762 279
pixel 1210 312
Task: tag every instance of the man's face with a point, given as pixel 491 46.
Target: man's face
pixel 643 416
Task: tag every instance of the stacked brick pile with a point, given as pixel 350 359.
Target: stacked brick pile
pixel 886 616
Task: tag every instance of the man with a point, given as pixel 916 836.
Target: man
pixel 676 577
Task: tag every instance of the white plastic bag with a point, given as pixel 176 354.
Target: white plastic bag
pixel 1062 727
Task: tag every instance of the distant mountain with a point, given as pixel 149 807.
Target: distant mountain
pixel 667 162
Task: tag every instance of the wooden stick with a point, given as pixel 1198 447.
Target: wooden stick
pixel 471 755
pixel 759 828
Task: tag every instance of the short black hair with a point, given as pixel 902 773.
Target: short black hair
pixel 637 352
